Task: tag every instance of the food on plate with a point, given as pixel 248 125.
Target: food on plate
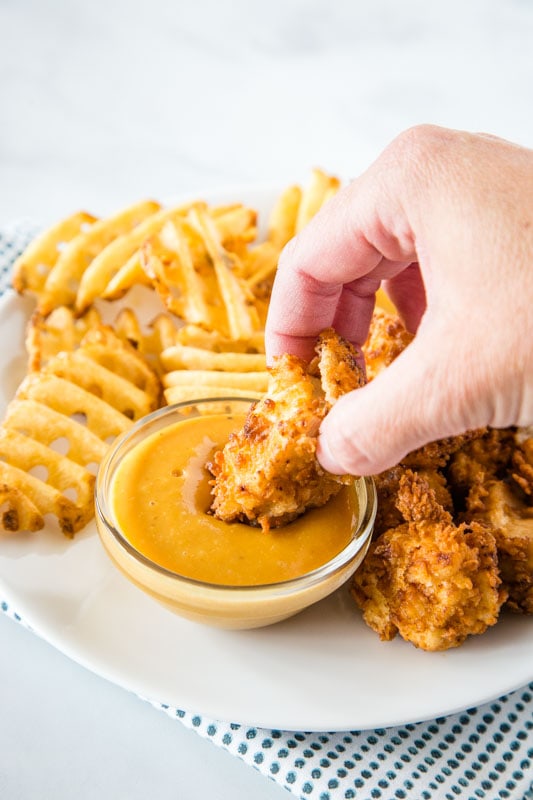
pixel 386 339
pixel 35 264
pixel 153 500
pixel 58 427
pixel 268 474
pixel 98 361
pixel 433 582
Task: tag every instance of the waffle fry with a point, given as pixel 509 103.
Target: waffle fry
pixel 321 188
pixel 63 280
pixel 236 226
pixel 17 512
pixel 60 331
pixel 107 263
pixel 61 422
pixel 242 317
pixel 184 357
pixel 21 455
pixel 194 336
pixel 32 268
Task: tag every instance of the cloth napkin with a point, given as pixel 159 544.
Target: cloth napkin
pixel 484 752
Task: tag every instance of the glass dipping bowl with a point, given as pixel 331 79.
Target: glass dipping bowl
pixel 214 604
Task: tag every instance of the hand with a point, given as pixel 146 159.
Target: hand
pixel 444 221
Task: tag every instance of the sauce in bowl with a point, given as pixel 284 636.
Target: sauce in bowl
pixel 161 497
pixel 152 514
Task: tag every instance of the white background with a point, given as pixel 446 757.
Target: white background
pixel 102 103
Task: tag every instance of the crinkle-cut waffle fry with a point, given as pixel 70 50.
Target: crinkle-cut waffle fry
pixel 58 332
pixel 254 381
pixel 19 455
pixel 73 401
pixel 115 390
pixel 184 357
pixel 107 263
pixel 236 225
pixel 242 317
pixel 282 220
pixel 63 279
pixel 320 189
pixel 195 336
pixel 32 268
pixel 184 394
pixel 48 426
pixel 168 262
pixel 161 334
pixel 17 512
pixel 106 349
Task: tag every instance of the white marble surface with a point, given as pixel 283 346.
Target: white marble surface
pixel 102 103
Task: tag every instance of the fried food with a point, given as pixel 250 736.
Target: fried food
pixel 268 473
pixel 387 487
pixel 60 424
pixel 64 278
pixel 505 507
pixel 429 580
pixel 31 269
pixel 387 338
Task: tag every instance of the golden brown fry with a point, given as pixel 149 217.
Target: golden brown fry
pixel 194 336
pixel 63 279
pixel 42 423
pixel 242 317
pixel 321 187
pixel 283 217
pixel 117 253
pixel 169 264
pixel 76 402
pixel 17 511
pixel 183 357
pixel 253 381
pixel 60 331
pixel 32 268
pixel 20 453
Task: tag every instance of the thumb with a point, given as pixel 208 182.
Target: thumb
pixel 412 402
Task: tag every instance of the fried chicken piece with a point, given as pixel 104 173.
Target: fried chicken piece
pixel 387 338
pixel 387 487
pixel 522 466
pixel 483 458
pixel 436 455
pixel 505 507
pixel 268 473
pixel 429 580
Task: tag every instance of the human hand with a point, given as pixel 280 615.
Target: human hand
pixel 444 221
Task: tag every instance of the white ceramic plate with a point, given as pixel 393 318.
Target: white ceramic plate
pixel 323 670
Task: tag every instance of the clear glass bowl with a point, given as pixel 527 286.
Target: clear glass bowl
pixel 216 604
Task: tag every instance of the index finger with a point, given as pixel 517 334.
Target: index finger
pixel 329 273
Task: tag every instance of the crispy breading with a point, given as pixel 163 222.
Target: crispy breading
pixel 505 507
pixel 482 458
pixel 522 466
pixel 387 338
pixel 429 580
pixel 268 473
pixel 436 455
pixel 387 487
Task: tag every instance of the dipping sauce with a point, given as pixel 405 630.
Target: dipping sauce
pixel 160 497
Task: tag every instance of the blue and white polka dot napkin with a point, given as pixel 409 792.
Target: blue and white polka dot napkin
pixel 484 753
